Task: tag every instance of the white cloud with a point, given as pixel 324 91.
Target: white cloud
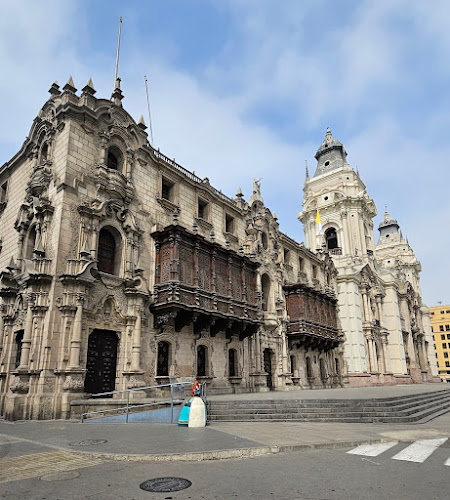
pixel 349 74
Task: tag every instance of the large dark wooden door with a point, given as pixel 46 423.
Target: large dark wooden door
pixel 268 367
pixel 101 362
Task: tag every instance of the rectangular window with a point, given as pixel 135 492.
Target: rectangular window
pixel 432 329
pixel 229 224
pixel 445 354
pixel 447 364
pixel 167 189
pixel 442 337
pixel 441 328
pixel 447 328
pixel 287 256
pixel 3 191
pixel 448 336
pixel 202 209
pixel 444 345
pixel 301 264
pixel 314 271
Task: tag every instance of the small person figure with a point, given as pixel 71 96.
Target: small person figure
pixel 196 391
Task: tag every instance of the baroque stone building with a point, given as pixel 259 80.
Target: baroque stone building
pixel 120 269
pixel 387 327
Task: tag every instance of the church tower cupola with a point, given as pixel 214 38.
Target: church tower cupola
pixel 331 155
pixel 389 230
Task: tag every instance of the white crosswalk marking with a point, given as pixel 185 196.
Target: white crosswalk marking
pixel 372 450
pixel 420 450
pixel 447 462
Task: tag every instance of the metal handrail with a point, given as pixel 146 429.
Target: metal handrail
pixel 158 403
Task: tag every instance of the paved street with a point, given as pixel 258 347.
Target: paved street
pixel 304 460
pixel 317 474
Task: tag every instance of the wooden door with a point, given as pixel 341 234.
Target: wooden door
pixel 101 362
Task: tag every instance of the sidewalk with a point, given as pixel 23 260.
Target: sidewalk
pixel 168 442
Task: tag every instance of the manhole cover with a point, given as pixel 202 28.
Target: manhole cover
pixel 88 442
pixel 165 484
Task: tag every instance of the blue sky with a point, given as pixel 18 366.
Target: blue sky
pixel 246 88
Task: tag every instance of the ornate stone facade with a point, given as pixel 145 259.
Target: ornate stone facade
pixel 387 328
pixel 121 269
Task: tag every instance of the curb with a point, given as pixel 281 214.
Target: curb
pixel 222 454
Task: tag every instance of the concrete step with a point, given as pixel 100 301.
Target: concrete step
pixel 420 409
pixel 289 408
pixel 360 405
pixel 331 402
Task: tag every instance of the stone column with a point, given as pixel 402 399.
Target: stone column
pixel 392 322
pixel 26 342
pixel 136 347
pixel 384 344
pixel 75 342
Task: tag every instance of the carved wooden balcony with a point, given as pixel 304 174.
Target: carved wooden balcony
pixel 312 317
pixel 201 282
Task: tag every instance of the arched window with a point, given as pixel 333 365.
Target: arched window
pixel 31 243
pixel 44 153
pixel 202 354
pixel 109 247
pixel 19 338
pixel 331 238
pixel 264 240
pixel 265 284
pixel 336 363
pixel 114 159
pixel 308 367
pixel 232 363
pixel 162 369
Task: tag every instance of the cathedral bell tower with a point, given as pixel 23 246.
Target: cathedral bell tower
pixel 346 211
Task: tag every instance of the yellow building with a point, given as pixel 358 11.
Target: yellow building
pixel 440 326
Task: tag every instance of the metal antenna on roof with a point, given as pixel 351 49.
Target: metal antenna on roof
pixel 148 107
pixel 117 54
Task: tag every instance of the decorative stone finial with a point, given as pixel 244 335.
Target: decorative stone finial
pixel 141 123
pixel 117 95
pixel 239 193
pixel 89 88
pixel 54 89
pixel 307 171
pixel 70 86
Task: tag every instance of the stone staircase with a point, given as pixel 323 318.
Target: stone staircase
pixel 400 409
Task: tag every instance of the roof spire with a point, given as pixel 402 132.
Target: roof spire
pixel 70 86
pixel 307 171
pixel 89 88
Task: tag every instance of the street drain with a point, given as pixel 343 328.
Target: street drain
pixel 88 442
pixel 165 484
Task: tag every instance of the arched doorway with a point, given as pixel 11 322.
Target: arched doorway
pixel 101 362
pixel 268 367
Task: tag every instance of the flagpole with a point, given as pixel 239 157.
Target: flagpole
pixel 117 54
pixel 148 107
